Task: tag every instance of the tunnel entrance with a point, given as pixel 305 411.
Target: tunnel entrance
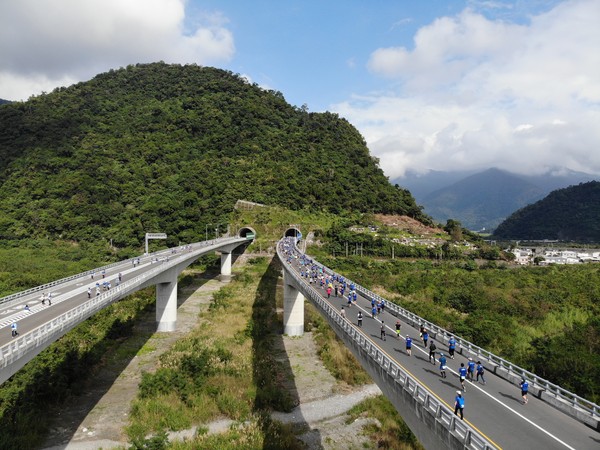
pixel 293 232
pixel 247 232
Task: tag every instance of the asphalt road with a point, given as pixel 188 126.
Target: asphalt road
pixel 64 297
pixel 494 409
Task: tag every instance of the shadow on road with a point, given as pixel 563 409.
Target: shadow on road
pixel 452 385
pixel 512 397
pixel 434 372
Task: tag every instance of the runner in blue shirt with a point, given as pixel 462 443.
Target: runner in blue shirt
pixel 408 345
pixel 425 337
pixel 470 369
pixel 524 389
pixel 442 365
pixel 373 312
pixel 462 374
pixel 480 372
pixel 459 404
pixel 451 346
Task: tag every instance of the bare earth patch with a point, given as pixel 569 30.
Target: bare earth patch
pixel 407 223
pixel 97 418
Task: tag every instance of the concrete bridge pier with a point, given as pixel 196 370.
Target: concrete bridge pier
pixel 293 308
pixel 166 305
pixel 225 266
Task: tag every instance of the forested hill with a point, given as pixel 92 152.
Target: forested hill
pixel 170 148
pixel 569 214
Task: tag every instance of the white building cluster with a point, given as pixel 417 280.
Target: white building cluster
pixel 526 256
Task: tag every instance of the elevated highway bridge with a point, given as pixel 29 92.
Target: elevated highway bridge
pixel 494 415
pixel 495 418
pixel 76 298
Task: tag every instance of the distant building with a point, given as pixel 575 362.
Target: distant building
pixel 523 256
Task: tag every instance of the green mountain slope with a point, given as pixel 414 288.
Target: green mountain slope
pixel 569 214
pixel 170 148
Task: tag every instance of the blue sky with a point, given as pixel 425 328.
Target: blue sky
pixel 431 85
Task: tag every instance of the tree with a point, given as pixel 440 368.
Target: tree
pixel 454 229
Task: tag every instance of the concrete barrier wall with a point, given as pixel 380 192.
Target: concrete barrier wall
pixel 434 424
pixel 426 423
pixel 567 402
pixel 19 351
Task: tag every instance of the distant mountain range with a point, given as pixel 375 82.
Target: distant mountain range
pixel 482 200
pixel 569 214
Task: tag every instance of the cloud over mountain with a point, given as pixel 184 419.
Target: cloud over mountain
pixel 476 92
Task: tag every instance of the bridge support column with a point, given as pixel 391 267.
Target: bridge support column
pixel 225 266
pixel 293 309
pixel 166 306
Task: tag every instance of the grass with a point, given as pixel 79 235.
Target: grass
pixel 250 383
pixel 223 369
pixel 336 357
pixel 389 430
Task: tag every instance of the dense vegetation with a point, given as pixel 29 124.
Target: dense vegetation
pixel 61 371
pixel 228 366
pixel 542 318
pixel 569 214
pixel 170 148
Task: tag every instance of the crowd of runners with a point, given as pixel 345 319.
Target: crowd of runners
pixel 336 286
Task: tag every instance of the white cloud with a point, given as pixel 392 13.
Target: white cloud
pixel 476 93
pixel 43 44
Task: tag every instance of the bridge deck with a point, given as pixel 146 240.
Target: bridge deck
pixel 494 410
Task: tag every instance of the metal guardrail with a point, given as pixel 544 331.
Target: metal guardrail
pixel 52 284
pixel 58 326
pixel 442 334
pixel 444 415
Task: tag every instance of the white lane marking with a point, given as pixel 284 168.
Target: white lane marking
pixel 475 386
pixel 514 411
pixel 501 403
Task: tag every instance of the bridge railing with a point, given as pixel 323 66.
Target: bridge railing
pixel 52 330
pixel 52 284
pixel 444 415
pixel 591 410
